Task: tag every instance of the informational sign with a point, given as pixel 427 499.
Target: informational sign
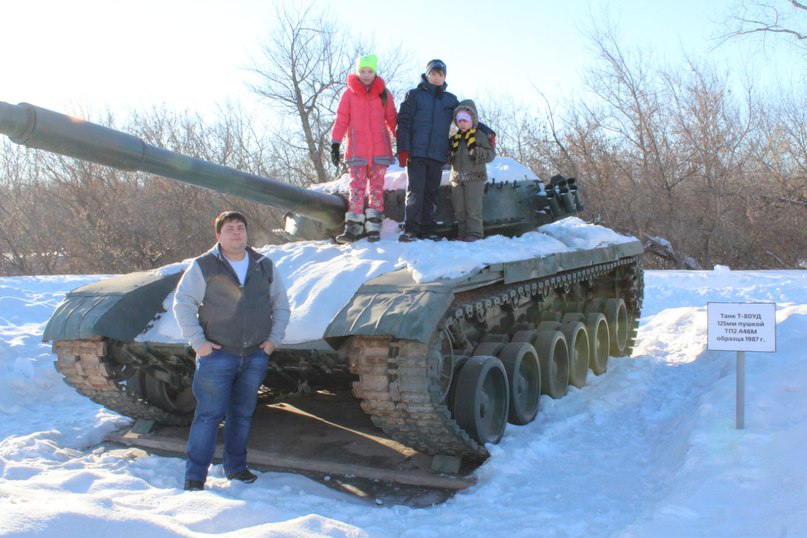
pixel 741 327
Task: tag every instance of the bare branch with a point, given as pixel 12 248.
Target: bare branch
pixel 766 17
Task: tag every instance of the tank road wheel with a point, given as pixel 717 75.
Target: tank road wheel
pixel 524 377
pixel 617 315
pixel 482 398
pixel 577 340
pixel 178 401
pixel 553 355
pixel 442 363
pixel 599 343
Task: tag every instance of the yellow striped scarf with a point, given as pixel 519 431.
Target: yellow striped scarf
pixel 469 136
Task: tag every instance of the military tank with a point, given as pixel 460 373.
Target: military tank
pixel 440 366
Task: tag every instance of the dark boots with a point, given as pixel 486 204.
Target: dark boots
pixel 357 224
pixel 354 228
pixel 372 225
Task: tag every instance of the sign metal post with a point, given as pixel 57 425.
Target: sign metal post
pixel 740 390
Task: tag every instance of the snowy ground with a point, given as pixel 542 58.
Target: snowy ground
pixel 649 449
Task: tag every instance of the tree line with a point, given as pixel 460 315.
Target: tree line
pixel 702 172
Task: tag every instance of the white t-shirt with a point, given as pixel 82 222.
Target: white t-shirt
pixel 240 267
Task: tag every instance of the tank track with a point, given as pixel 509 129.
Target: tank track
pixel 397 384
pixel 85 367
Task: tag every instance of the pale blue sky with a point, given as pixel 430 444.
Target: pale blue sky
pixel 92 54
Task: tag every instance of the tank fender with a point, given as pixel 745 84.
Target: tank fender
pixel 392 305
pixel 119 307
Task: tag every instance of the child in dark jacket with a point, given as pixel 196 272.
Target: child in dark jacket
pixel 470 149
pixel 423 127
pixel 366 114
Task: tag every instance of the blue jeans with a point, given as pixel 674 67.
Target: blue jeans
pixel 226 388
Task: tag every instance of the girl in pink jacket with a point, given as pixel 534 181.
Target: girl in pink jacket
pixel 367 115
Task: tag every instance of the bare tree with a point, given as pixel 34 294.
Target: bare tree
pixel 302 67
pixel 302 72
pixel 663 153
pixel 763 18
pixel 514 126
pixel 26 245
pixel 712 134
pixel 635 109
pixel 779 208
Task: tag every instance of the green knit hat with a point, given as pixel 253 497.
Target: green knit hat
pixel 370 61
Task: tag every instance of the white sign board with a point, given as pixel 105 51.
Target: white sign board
pixel 741 327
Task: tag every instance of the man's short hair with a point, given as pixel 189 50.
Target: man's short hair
pixel 219 221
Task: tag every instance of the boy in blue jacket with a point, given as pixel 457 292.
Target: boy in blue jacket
pixel 423 123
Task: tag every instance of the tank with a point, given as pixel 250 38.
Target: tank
pixel 441 367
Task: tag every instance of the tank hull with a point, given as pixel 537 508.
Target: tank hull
pixel 399 345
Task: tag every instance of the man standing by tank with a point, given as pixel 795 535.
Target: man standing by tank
pixel 423 122
pixel 232 308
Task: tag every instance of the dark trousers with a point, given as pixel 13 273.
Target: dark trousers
pixel 421 194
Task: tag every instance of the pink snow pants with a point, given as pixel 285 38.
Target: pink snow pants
pixel 367 180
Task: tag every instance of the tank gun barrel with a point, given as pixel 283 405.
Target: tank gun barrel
pixel 40 128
